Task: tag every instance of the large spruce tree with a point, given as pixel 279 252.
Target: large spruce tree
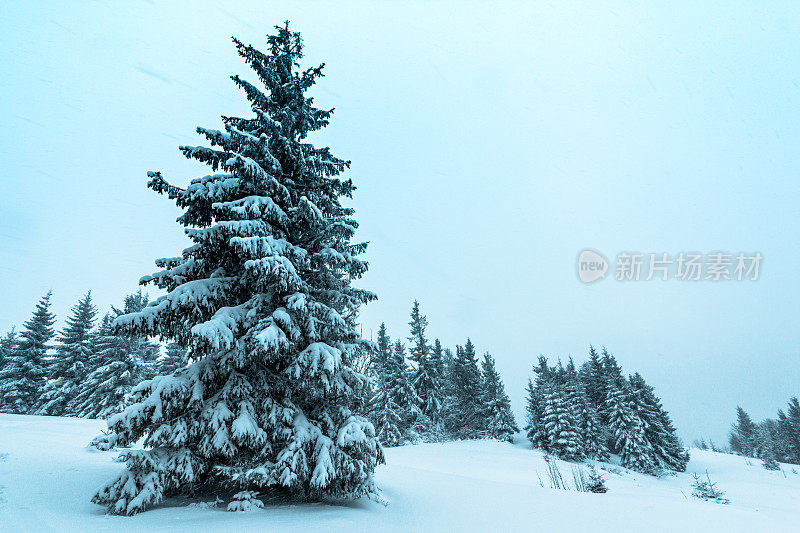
pixel 24 375
pixel 264 300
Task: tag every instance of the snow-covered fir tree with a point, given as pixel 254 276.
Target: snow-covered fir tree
pixel 499 421
pixel 427 379
pixel 535 407
pixel 596 482
pixel 463 409
pixel 743 434
pixel 8 345
pixel 659 431
pixel 628 430
pixel 594 379
pixel 383 352
pixel 141 349
pixel 707 490
pixel 104 390
pixel 437 361
pixel 791 430
pixel 72 361
pixel 593 433
pixel 561 428
pixel 394 407
pixel 399 385
pixel 769 462
pixel 264 300
pixel 386 416
pixel 23 376
pixel 121 361
pixel 772 439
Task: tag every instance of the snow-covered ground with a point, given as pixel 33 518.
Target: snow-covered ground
pixel 47 476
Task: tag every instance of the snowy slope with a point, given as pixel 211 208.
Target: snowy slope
pixel 47 476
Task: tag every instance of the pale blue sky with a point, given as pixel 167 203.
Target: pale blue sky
pixel 490 144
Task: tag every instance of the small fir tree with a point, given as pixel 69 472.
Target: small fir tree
pixel 596 482
pixel 769 462
pixel 706 490
pixel 386 416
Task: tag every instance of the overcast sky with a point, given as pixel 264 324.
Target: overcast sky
pixel 490 145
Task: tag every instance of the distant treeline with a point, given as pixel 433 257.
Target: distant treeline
pixel 86 370
pixel 772 440
pixel 428 393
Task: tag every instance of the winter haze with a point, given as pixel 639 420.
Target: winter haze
pixel 490 145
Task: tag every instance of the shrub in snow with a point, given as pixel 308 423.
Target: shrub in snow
pixel 245 501
pixel 705 489
pixel 596 482
pixel 263 300
pixel 770 463
pixel 206 505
